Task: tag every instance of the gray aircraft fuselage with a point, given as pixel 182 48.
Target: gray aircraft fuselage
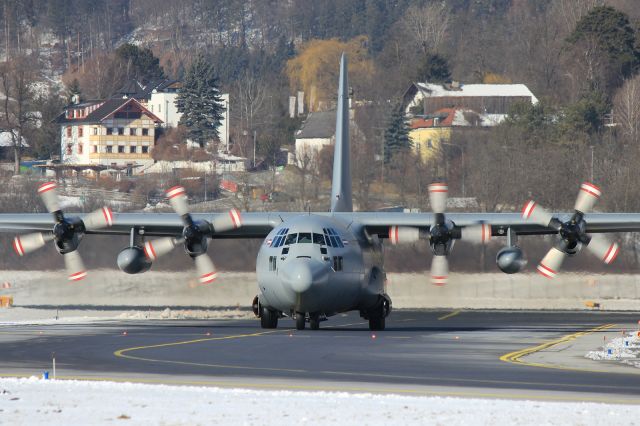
pixel 320 265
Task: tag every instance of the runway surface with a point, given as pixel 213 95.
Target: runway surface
pixel 432 352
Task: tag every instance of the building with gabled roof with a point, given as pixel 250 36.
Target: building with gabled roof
pixel 114 132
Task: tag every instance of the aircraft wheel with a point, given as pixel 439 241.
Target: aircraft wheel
pixel 269 318
pixel 314 322
pixel 377 323
pixel 300 320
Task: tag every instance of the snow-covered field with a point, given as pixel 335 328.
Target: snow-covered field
pixel 48 402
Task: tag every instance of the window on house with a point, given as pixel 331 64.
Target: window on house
pixel 132 150
pixel 145 149
pixel 95 131
pixel 121 131
pixel 68 150
pixel 109 149
pixel 80 132
pixel 120 149
pixel 68 131
pixel 429 143
pixel 80 148
pixel 109 131
pixel 159 107
pixel 94 149
pixel 145 132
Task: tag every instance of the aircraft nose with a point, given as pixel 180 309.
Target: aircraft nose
pixel 300 274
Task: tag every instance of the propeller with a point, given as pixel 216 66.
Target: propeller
pixel 573 234
pixel 194 235
pixel 67 232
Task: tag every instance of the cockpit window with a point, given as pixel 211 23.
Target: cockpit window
pixel 332 237
pixel 291 239
pixel 279 239
pixel 318 239
pixel 304 237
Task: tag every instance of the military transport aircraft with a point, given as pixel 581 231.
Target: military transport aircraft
pixel 313 265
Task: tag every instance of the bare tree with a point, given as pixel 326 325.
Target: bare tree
pixel 251 98
pixel 16 79
pixel 428 25
pixel 627 109
pixel 572 11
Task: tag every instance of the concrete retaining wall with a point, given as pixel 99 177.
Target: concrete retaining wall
pixel 489 291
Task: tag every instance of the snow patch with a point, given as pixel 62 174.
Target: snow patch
pixel 43 402
pixel 625 349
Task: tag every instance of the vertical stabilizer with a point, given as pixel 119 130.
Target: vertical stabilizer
pixel 341 183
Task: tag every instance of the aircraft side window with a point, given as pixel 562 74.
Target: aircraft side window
pixel 272 263
pixel 279 240
pixel 291 239
pixel 285 250
pixel 304 238
pixel 326 237
pixel 318 239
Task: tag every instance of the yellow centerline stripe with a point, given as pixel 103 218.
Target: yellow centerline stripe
pixel 449 315
pixel 516 356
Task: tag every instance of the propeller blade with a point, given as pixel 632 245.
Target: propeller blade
pixel 75 266
pixel 49 196
pixel 24 244
pixel 604 249
pixel 438 197
pixel 587 197
pixel 478 234
pixel 178 199
pixel 160 247
pixel 536 213
pixel 206 271
pixel 439 270
pixel 98 219
pixel 551 263
pixel 226 222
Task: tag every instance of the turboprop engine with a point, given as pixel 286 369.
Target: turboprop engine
pixel 511 260
pixel 132 260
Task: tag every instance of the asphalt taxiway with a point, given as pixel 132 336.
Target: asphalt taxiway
pixel 466 353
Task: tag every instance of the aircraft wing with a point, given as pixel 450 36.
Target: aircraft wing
pixel 379 223
pixel 254 225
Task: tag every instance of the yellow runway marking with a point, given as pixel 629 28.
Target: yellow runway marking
pixel 515 357
pixel 452 314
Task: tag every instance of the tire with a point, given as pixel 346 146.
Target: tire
pixel 377 323
pixel 300 321
pixel 269 318
pixel 314 322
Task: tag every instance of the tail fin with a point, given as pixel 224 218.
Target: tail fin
pixel 341 183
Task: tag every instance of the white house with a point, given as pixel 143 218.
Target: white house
pixel 318 131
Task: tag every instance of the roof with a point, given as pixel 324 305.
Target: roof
pixel 135 89
pixel 456 117
pixel 107 108
pixel 318 125
pixel 477 90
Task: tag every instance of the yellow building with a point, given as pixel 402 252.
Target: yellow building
pixel 428 134
pixel 115 132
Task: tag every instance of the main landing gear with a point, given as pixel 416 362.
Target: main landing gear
pixel 377 316
pixel 269 318
pixel 314 321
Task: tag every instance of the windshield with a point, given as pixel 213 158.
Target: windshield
pixel 291 239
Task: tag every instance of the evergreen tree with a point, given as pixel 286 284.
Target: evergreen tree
pixel 396 135
pixel 200 102
pixel 142 64
pixel 74 90
pixel 434 69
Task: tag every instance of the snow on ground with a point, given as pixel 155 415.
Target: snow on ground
pixel 625 349
pixel 44 402
pixel 24 316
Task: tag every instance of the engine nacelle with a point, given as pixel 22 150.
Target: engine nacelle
pixel 403 234
pixel 511 260
pixel 132 260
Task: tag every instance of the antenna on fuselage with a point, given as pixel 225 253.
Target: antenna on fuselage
pixel 341 182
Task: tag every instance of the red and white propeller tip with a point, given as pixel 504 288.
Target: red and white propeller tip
pixel 24 244
pixel 604 249
pixel 206 271
pixel 551 263
pixel 75 266
pixel 49 195
pixel 536 213
pixel 438 197
pixel 178 198
pixel 587 197
pixel 160 247
pixel 227 222
pixel 439 270
pixel 99 219
pixel 479 234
